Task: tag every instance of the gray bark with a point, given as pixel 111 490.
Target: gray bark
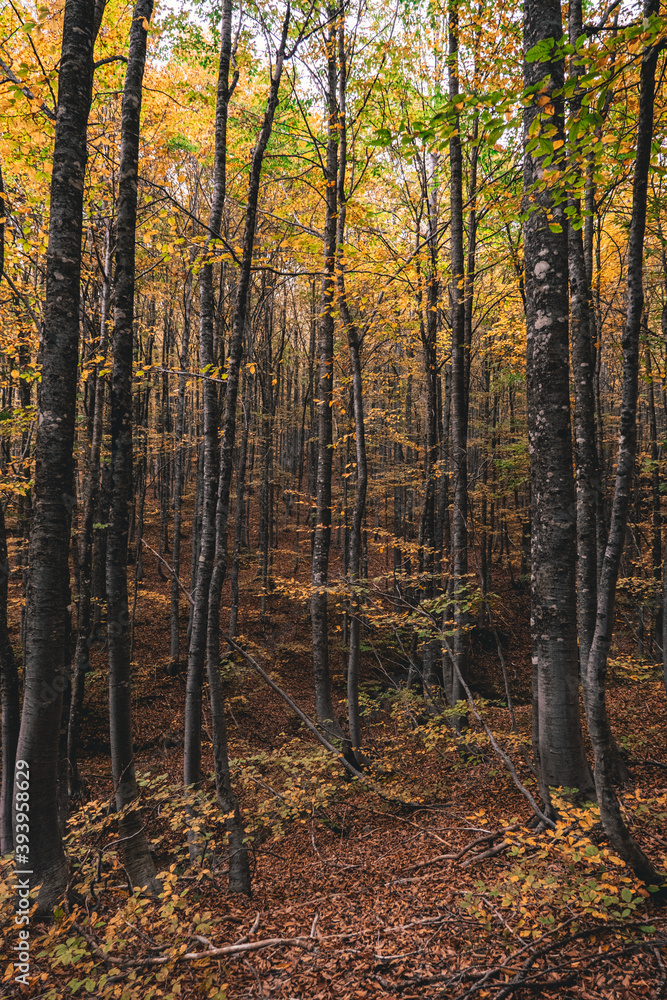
pixel 322 530
pixel 354 345
pixel 559 750
pixel 86 627
pixel 585 448
pixel 460 373
pixel 209 479
pixel 46 609
pixel 136 856
pixel 610 812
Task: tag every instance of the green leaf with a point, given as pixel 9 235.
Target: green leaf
pixel 542 51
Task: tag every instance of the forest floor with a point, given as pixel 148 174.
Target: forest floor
pixel 356 894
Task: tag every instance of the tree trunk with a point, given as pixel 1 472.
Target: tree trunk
pixel 322 530
pixel 238 524
pixel 46 609
pixel 209 481
pixel 560 751
pixel 598 726
pixel 585 450
pixel 460 373
pixel 179 472
pixel 354 344
pixel 136 856
pixel 239 868
pixel 86 627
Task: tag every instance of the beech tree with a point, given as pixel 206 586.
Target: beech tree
pixel 46 657
pixel 557 727
pixel 250 303
pixel 610 812
pixel 136 856
pixel 325 345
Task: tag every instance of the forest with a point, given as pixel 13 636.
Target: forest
pixel 333 527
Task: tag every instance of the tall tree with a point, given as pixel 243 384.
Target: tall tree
pixel 322 530
pixel 598 725
pixel 9 681
pixel 205 638
pixel 209 483
pixel 136 855
pixel 355 343
pixel 585 447
pixel 86 624
pixel 460 366
pixel 46 657
pixel 558 743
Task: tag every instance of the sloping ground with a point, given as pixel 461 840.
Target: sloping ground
pixel 357 895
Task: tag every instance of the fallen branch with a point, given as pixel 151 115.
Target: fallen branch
pixel 457 855
pixel 491 853
pixel 191 956
pixel 355 772
pixel 494 743
pixel 170 570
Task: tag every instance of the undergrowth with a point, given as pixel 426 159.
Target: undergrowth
pixel 110 942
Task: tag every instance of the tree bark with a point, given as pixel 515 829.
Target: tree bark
pixel 179 474
pixel 209 481
pixel 598 727
pixel 86 627
pixel 239 867
pixel 560 752
pixel 585 449
pixel 46 609
pixel 136 856
pixel 322 531
pixel 460 372
pixel 354 344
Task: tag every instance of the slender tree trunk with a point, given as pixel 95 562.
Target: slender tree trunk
pixel 322 531
pixel 205 640
pixel 585 450
pixel 46 657
pixel 598 726
pixel 239 868
pixel 136 856
pixel 209 480
pixel 235 353
pixel 560 752
pixel 354 345
pixel 9 680
pixel 656 520
pixel 238 524
pixel 460 371
pixel 179 470
pixel 86 627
